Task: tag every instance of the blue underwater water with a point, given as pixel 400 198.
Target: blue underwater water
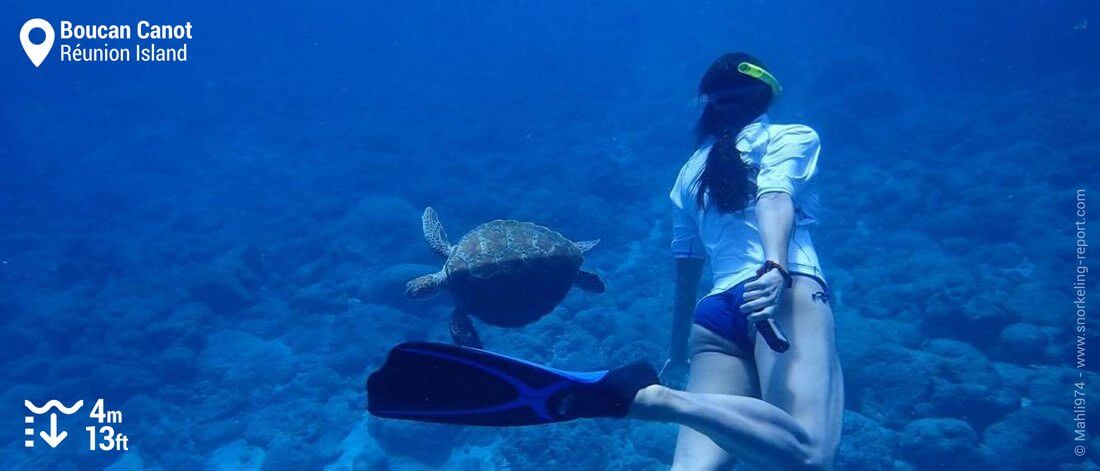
pixel 218 248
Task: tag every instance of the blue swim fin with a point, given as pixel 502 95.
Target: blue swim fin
pixel 432 382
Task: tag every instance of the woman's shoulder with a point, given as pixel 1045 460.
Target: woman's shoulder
pixel 688 178
pixel 700 154
pixel 790 160
pixel 799 134
pixel 791 141
pixel 695 162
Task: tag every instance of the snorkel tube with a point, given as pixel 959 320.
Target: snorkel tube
pixel 757 72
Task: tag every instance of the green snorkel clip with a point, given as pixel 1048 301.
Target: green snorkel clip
pixel 757 72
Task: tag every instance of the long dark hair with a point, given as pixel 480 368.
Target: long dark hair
pixel 726 177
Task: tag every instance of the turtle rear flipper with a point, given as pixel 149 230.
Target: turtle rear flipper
pixel 463 332
pixel 434 234
pixel 589 281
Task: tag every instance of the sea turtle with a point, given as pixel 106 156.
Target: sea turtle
pixel 506 273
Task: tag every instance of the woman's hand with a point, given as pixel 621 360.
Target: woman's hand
pixel 763 295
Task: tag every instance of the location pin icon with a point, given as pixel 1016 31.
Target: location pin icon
pixel 36 52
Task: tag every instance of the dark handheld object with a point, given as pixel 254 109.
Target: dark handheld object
pixel 769 328
pixel 773 335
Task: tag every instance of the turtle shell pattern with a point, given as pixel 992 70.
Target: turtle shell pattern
pixel 511 273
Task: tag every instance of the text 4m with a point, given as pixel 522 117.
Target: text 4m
pixel 104 438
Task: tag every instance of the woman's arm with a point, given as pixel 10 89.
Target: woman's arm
pixel 688 273
pixel 783 172
pixel 688 251
pixel 775 221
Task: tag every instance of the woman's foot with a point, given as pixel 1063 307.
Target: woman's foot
pixel 612 395
pixel 651 403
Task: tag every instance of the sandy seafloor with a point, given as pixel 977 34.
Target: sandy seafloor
pixel 219 248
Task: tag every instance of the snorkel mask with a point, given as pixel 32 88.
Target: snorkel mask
pixel 731 97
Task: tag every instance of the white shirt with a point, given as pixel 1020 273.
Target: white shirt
pixel 785 159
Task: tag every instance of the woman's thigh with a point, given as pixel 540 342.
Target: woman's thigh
pixel 806 381
pixel 714 369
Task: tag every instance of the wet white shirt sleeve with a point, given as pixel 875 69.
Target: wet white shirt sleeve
pixel 685 230
pixel 685 236
pixel 790 162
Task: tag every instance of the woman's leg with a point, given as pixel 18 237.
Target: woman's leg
pixel 806 381
pixel 714 369
pixel 800 431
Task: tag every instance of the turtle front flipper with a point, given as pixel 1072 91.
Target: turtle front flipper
pixel 425 286
pixel 434 234
pixel 589 281
pixel 463 332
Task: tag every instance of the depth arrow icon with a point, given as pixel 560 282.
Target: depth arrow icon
pixel 53 438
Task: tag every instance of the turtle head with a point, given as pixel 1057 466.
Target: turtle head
pixel 425 286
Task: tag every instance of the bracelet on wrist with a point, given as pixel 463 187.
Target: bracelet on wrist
pixel 769 265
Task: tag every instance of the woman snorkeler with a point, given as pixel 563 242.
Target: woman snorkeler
pixel 770 400
pixel 743 201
